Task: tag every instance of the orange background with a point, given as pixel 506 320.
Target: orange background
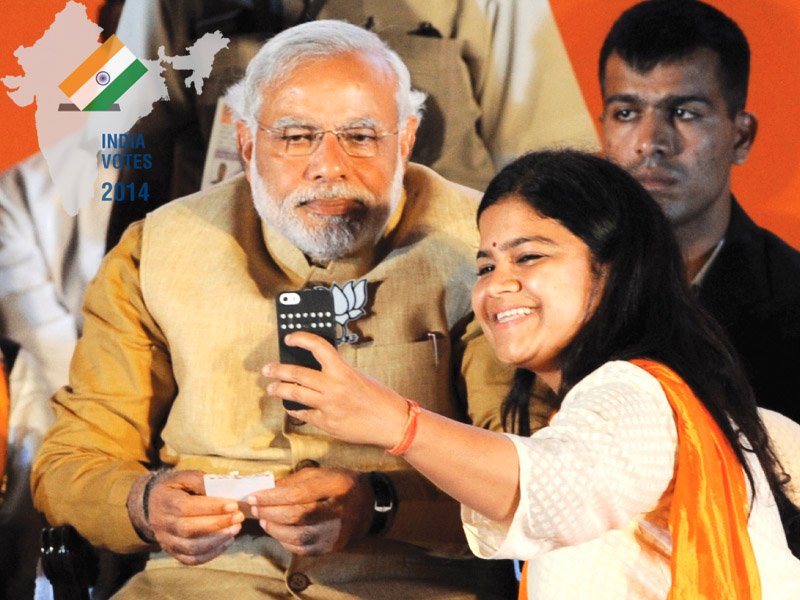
pixel 24 22
pixel 767 185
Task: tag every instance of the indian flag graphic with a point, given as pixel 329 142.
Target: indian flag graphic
pixel 103 77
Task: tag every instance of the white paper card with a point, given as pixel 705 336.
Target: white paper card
pixel 237 487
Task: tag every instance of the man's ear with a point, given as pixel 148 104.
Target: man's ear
pixel 244 143
pixel 408 135
pixel 746 126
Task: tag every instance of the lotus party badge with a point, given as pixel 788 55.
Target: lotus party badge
pixel 349 301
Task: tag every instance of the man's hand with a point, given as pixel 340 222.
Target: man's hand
pixel 316 510
pixel 188 525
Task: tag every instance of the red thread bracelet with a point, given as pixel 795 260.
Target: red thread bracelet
pixel 409 430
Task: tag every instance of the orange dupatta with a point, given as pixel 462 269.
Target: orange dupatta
pixel 711 552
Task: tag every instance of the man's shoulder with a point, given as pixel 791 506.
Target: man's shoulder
pixel 434 202
pixel 755 278
pixel 424 182
pixel 213 203
pixel 35 163
pixel 209 218
pixel 785 257
pixel 779 261
pixel 27 179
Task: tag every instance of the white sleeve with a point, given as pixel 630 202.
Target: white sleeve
pixel 31 310
pixel 607 457
pixel 526 87
pixel 785 437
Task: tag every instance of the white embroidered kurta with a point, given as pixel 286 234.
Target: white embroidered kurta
pixel 595 492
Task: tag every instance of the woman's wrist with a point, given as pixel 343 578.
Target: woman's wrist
pixel 409 431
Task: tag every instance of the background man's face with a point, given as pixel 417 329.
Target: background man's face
pixel 670 128
pixel 330 204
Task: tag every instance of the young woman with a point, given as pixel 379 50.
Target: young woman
pixel 655 478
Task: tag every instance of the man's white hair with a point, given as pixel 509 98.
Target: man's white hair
pixel 316 39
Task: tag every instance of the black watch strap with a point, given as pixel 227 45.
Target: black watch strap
pixel 385 502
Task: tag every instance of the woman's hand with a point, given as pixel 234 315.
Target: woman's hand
pixel 353 407
pixel 343 402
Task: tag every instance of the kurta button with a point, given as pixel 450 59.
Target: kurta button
pixel 306 463
pixel 298 582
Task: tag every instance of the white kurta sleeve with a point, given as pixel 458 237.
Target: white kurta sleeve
pixel 32 312
pixel 607 457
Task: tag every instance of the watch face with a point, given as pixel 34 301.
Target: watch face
pixel 384 493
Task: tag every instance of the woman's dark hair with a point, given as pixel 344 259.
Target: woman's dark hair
pixel 646 309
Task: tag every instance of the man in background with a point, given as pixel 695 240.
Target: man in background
pixel 674 78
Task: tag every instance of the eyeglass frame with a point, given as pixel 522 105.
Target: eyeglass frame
pixel 278 134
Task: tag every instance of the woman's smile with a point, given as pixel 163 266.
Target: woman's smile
pixel 536 286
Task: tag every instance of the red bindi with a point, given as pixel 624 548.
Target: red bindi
pixel 494 244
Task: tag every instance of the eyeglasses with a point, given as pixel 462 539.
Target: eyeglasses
pixel 361 142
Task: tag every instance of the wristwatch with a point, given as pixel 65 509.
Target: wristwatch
pixel 385 502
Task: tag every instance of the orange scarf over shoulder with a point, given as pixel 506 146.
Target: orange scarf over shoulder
pixel 711 552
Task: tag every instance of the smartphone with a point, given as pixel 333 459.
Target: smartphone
pixel 304 310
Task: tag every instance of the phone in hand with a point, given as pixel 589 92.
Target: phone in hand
pixel 304 310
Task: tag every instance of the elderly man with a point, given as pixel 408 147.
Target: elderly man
pixel 674 78
pixel 165 383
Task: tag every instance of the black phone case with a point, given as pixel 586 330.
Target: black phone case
pixel 304 310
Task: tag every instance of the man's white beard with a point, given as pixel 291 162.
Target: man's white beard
pixel 334 236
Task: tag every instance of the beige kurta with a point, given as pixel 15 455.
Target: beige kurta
pixel 180 321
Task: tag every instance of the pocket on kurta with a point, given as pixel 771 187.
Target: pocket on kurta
pixel 418 370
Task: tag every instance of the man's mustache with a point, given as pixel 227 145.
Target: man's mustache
pixel 653 167
pixel 332 192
